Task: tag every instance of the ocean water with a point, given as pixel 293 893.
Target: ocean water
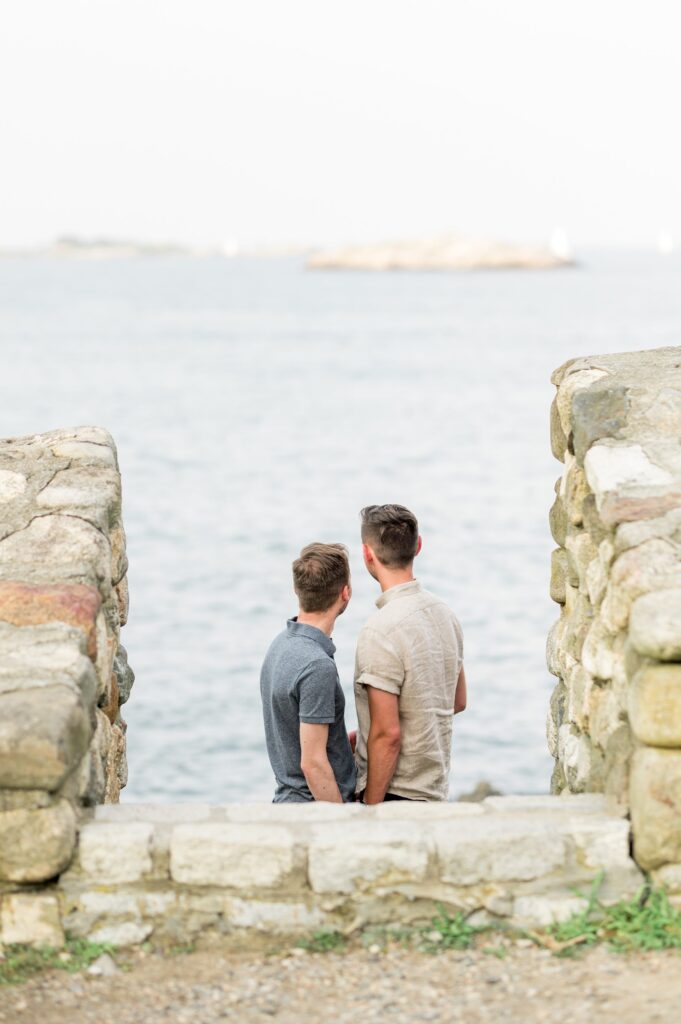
pixel 258 407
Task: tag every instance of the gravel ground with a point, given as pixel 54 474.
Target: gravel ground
pixel 527 985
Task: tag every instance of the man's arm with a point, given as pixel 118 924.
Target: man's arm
pixel 315 763
pixel 383 743
pixel 460 694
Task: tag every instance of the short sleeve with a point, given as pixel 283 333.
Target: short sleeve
pixel 316 686
pixel 378 664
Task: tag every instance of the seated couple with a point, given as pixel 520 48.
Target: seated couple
pixel 409 677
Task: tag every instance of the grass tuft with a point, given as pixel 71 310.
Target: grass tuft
pixel 323 942
pixel 19 963
pixel 646 922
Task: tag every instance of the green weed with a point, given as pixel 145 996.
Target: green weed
pixel 19 963
pixel 448 931
pixel 323 942
pixel 646 922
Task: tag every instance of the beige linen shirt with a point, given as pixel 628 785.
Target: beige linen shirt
pixel 412 647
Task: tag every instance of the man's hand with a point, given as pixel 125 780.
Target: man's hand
pixel 383 743
pixel 314 763
pixel 352 736
pixel 460 695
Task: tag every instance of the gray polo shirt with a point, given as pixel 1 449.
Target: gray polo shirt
pixel 299 683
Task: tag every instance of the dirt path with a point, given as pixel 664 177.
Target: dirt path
pixel 528 985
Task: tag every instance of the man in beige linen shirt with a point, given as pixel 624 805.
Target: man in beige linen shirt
pixel 409 676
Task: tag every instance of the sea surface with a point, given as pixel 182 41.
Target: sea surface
pixel 258 406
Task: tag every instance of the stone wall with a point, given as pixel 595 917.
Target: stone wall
pixel 615 718
pixel 63 672
pixel 264 873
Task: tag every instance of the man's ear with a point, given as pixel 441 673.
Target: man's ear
pixel 368 553
pixel 418 546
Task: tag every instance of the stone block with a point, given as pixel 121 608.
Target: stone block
pixel 232 855
pixel 613 467
pixel 125 676
pixel 363 855
pixel 581 763
pixel 94 490
pixel 295 814
pixel 576 492
pixel 631 534
pixel 36 845
pixel 499 848
pixel 119 559
pixel 655 705
pixel 122 933
pixel 577 803
pixel 43 735
pixel 24 799
pixel 114 853
pixel 579 686
pixel 653 566
pixel 123 600
pixel 31 919
pixel 581 373
pixel 12 485
pixel 558 575
pixel 558 436
pixel 598 651
pixel 655 796
pixel 555 646
pixel 596 581
pixel 422 811
pixel 156 814
pixel 655 625
pixel 597 412
pixel 86 452
pixel 558 521
pixel 602 843
pixel 669 876
pixel 555 716
pixel 542 911
pixel 57 548
pixel 604 714
pixel 25 604
pixel 277 918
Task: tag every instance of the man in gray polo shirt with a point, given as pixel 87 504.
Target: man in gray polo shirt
pixel 303 703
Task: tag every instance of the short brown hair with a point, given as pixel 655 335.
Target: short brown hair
pixel 319 575
pixel 393 533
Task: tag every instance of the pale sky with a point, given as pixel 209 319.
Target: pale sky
pixel 289 121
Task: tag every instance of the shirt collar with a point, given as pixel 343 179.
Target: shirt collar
pixel 400 590
pixel 296 628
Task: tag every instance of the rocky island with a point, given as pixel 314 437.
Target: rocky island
pixel 449 252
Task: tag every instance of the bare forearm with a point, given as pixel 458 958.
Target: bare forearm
pixel 322 782
pixel 382 760
pixel 461 696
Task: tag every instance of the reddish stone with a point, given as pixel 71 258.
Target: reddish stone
pixel 27 604
pixel 618 509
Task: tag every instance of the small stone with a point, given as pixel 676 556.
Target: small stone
pixel 104 966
